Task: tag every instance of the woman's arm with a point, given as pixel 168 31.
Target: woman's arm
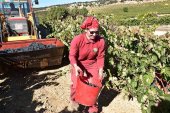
pixel 73 54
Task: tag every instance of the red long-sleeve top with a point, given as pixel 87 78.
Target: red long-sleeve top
pixel 85 52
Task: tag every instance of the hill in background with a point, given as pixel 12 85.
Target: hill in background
pixel 96 3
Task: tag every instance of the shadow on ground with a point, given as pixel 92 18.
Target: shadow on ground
pixel 106 97
pixel 17 87
pixel 163 107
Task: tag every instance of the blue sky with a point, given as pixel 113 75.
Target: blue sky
pixel 43 3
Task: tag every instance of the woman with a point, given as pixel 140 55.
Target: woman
pixel 86 55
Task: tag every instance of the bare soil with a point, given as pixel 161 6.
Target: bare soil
pixel 48 91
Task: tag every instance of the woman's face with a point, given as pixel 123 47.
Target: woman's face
pixel 92 33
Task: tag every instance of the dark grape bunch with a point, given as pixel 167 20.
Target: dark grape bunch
pixel 32 47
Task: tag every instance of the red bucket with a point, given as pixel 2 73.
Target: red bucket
pixel 86 94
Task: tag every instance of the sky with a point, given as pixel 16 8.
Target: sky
pixel 44 3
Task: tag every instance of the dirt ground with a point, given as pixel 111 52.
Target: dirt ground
pixel 47 91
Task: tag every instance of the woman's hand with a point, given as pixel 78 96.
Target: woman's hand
pixel 77 69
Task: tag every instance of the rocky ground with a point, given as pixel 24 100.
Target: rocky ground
pixel 47 91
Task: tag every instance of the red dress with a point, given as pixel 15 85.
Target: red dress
pixel 89 56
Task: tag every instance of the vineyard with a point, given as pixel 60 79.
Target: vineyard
pixel 136 60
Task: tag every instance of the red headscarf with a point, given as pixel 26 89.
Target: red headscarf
pixel 90 22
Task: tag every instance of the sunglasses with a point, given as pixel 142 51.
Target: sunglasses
pixel 92 32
